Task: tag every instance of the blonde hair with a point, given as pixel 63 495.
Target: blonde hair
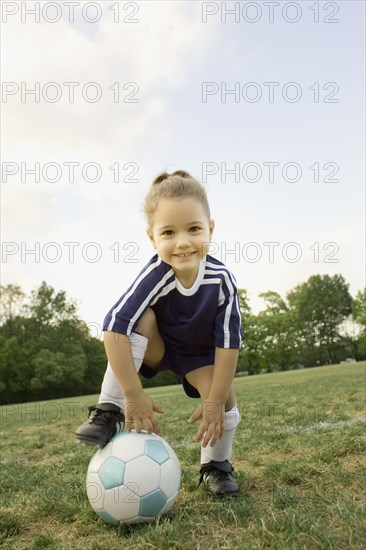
pixel 178 185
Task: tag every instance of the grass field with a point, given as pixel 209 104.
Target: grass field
pixel 299 457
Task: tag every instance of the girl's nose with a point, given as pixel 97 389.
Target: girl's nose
pixel 183 241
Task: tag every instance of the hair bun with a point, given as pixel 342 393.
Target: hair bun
pixel 178 185
pixel 160 178
pixel 182 174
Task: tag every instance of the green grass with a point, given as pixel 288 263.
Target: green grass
pixel 299 456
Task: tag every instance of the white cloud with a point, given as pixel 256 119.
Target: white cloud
pixel 156 54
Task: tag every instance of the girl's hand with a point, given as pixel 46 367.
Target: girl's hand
pixel 211 428
pixel 139 411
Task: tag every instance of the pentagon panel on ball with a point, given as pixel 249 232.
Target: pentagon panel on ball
pixel 134 478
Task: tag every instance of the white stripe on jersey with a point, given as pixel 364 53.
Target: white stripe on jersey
pixel 171 286
pixel 216 282
pixel 211 280
pixel 218 269
pixel 146 302
pixel 137 282
pixel 222 269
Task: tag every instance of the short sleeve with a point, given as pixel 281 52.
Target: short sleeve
pixel 123 317
pixel 228 319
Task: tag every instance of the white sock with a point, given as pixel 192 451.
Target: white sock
pixel 111 391
pixel 222 449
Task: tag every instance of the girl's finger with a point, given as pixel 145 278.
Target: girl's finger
pixel 196 415
pixel 216 436
pixel 201 431
pixel 208 435
pixel 137 424
pixel 158 408
pixel 156 426
pixel 148 425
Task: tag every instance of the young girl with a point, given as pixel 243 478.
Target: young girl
pixel 181 313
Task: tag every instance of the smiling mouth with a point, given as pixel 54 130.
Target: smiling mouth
pixel 185 255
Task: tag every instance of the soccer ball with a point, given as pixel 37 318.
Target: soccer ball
pixel 133 479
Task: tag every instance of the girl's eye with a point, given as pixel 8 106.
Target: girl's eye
pixel 195 228
pixel 168 232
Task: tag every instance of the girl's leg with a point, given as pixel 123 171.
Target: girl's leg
pixel 110 391
pixel 107 418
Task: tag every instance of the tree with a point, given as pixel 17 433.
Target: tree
pixel 96 364
pixel 249 355
pixel 278 333
pixel 11 300
pixel 320 305
pixel 58 374
pixel 359 309
pixel 274 303
pixel 47 351
pixel 15 370
pixel 359 316
pixel 49 306
pixel 354 329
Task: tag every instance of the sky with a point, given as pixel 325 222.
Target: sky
pixel 261 101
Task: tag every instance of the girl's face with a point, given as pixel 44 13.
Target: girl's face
pixel 180 233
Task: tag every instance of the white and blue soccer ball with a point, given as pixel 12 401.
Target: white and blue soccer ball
pixel 134 478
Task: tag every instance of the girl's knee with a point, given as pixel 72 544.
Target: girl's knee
pixel 201 379
pixel 232 418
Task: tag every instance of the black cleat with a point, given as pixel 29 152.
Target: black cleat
pixel 105 420
pixel 218 478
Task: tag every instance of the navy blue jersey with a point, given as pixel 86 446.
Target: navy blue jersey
pixel 192 320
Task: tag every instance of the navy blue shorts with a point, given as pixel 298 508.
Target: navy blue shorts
pixel 180 364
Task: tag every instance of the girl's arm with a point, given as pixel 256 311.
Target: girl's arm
pixel 224 371
pixel 212 410
pixel 228 338
pixel 138 407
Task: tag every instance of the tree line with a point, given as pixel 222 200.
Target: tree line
pixel 47 351
pixel 317 323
